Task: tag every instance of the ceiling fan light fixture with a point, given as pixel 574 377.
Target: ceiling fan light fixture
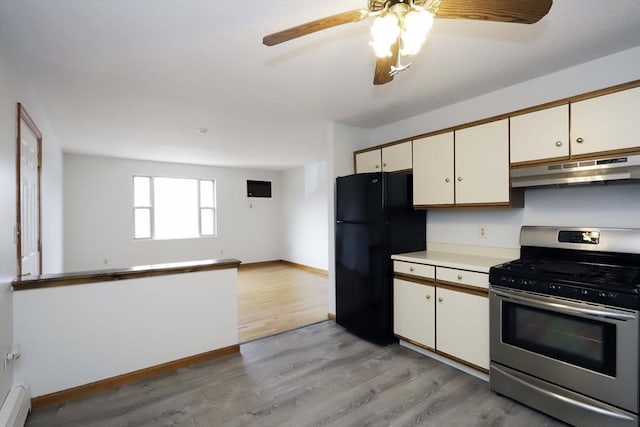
pixel 416 25
pixel 385 31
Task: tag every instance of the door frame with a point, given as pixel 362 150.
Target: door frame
pixel 23 116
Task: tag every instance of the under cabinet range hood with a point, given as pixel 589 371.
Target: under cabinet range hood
pixel 623 168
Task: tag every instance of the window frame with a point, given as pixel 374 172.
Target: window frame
pixel 151 207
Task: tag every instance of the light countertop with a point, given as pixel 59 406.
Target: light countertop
pixel 464 261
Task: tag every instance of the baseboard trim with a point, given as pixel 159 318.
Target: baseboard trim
pixel 91 388
pixel 306 268
pixel 249 265
pixel 246 266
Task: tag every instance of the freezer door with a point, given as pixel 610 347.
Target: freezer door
pixel 359 198
pixel 364 304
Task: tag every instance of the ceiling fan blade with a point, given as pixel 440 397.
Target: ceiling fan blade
pixel 314 26
pixel 516 11
pixel 382 73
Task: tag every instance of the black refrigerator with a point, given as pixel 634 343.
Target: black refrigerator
pixel 374 219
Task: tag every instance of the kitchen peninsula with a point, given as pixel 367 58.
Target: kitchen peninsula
pixel 86 331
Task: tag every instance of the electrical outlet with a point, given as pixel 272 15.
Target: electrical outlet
pixel 483 232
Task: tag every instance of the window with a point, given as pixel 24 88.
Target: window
pixel 173 208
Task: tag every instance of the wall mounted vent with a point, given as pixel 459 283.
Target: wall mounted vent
pixel 258 188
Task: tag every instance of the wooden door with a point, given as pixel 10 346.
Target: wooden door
pixel 540 135
pixel 433 173
pixel 414 312
pixel 368 161
pixel 608 123
pixel 462 326
pixel 28 227
pixel 482 164
pixel 397 157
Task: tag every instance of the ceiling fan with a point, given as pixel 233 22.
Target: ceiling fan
pixel 401 26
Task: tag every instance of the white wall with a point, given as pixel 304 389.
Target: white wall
pixel 99 223
pixel 14 89
pixel 86 333
pixel 611 206
pixel 587 206
pixel 342 141
pixel 304 215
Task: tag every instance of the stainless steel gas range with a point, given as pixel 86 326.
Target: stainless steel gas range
pixel 564 324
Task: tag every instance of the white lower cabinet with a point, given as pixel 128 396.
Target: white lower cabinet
pixel 448 315
pixel 462 326
pixel 414 313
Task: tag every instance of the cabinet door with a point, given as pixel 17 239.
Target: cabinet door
pixel 606 123
pixel 482 164
pixel 368 161
pixel 397 157
pixel 540 135
pixel 433 170
pixel 414 312
pixel 462 326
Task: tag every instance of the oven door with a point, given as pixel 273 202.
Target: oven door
pixel 587 348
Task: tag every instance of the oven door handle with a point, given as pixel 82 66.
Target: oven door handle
pixel 533 302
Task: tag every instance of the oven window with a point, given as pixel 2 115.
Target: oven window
pixel 582 342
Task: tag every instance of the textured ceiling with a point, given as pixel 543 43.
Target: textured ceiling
pixel 138 78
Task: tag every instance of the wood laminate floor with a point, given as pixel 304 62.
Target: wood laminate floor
pixel 277 297
pixel 319 375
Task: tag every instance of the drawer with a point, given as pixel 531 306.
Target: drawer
pixel 462 277
pixel 420 270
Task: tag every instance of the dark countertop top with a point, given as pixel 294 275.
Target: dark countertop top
pixel 108 275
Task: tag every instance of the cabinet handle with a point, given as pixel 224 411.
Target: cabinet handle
pixel 411 269
pixel 385 165
pixel 459 179
pixel 428 296
pixel 440 299
pixel 579 140
pixel 459 276
pixel 558 143
pixel 447 180
pixel 377 166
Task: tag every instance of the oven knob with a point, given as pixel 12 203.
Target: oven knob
pixel 602 294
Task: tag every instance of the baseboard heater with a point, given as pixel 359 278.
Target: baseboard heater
pixel 16 407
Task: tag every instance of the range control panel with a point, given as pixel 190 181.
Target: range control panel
pixel 591 237
pixel 580 293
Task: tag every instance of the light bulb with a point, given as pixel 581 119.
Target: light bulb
pixel 416 26
pixel 385 31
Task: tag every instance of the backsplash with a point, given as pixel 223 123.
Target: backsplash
pixel 590 206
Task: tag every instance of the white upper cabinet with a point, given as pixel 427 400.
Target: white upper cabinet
pixel 433 180
pixel 368 161
pixel 472 170
pixel 392 158
pixel 482 164
pixel 540 135
pixel 397 157
pixel 606 123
